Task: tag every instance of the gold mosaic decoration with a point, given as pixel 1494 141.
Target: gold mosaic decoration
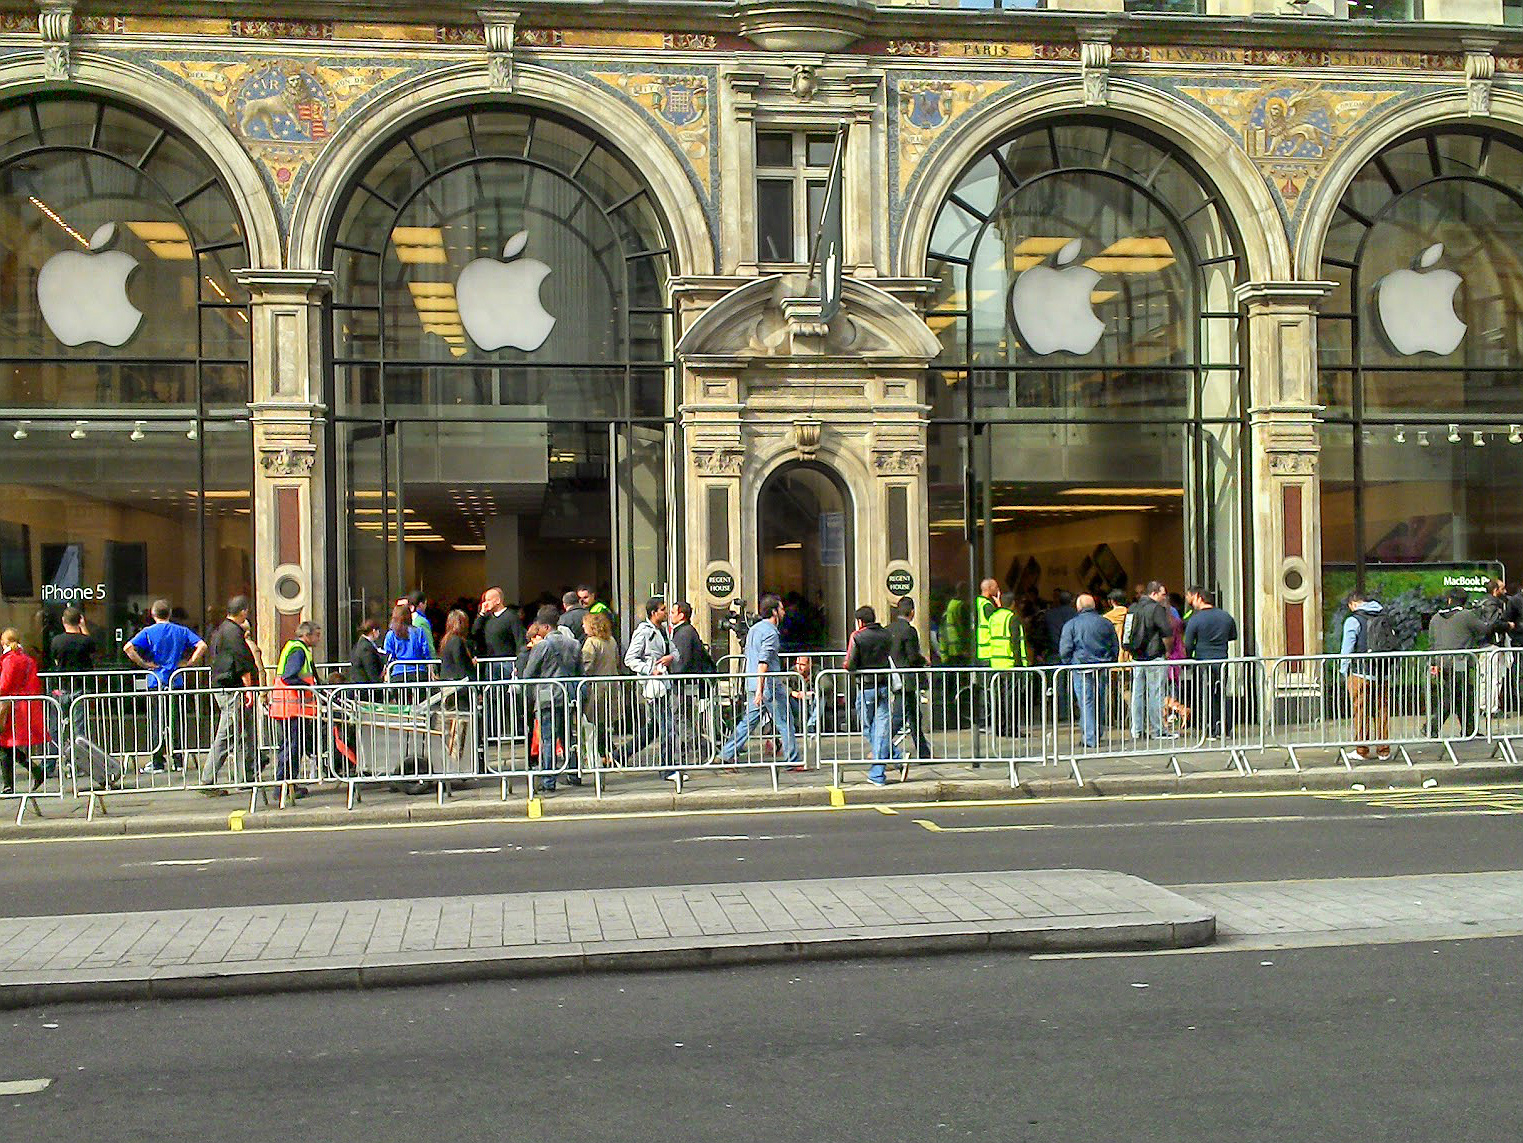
pixel 925 109
pixel 680 104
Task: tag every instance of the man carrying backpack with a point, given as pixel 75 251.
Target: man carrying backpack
pixel 1367 635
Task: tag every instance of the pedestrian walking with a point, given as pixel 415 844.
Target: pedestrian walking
pixel 1086 641
pixel 554 657
pixel 868 664
pixel 293 704
pixel 1148 634
pixel 763 668
pixel 909 664
pixel 164 649
pixel 1209 632
pixel 1456 629
pixel 650 656
pixel 694 700
pixel 234 672
pixel 23 720
pixel 1367 637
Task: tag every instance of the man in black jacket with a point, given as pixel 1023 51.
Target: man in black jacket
pixel 1148 633
pixel 1457 628
pixel 365 662
pixel 500 639
pixel 233 671
pixel 867 661
pixel 904 650
pixel 694 698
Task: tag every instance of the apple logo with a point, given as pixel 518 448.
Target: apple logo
pixel 1416 307
pixel 1052 308
pixel 499 300
pixel 83 296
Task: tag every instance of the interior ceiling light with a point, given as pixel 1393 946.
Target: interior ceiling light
pixel 20 434
pixel 51 214
pixel 1140 248
pixel 79 433
pixel 1478 437
pixel 1422 438
pixel 1106 264
pixel 166 240
pixel 1515 434
pixel 1454 434
pixel 419 245
pixel 1401 434
pixel 137 432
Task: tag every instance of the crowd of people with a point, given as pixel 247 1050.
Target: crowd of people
pixel 549 644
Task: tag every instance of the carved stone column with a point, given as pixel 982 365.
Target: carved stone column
pixel 1283 436
pixel 290 563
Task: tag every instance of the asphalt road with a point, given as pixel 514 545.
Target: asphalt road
pixel 1402 1042
pixel 1169 841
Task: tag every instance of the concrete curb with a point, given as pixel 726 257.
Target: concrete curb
pixel 563 807
pixel 1117 933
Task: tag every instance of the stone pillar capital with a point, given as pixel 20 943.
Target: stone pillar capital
pixel 285 287
pixel 1306 296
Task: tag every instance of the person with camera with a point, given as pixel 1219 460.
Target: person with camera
pixel 764 665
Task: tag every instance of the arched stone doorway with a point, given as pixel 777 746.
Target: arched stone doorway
pixel 804 543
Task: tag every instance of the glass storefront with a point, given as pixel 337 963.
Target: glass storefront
pixel 501 367
pixel 1087 402
pixel 1419 348
pixel 124 372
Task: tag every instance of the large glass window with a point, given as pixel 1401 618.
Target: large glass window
pixel 501 366
pixel 124 371
pixel 1419 350
pixel 1088 392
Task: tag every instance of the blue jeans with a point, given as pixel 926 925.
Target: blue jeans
pixel 1089 695
pixel 875 710
pixel 1148 681
pixel 775 701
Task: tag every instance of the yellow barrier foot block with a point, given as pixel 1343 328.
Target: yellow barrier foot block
pixel 837 797
pixel 235 820
pixel 536 808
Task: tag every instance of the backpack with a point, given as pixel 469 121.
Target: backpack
pixel 1379 637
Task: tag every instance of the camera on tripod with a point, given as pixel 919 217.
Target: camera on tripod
pixel 736 621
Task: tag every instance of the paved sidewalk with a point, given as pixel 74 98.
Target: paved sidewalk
pixel 1364 910
pixel 361 944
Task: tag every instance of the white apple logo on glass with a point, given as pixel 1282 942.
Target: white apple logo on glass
pixel 499 300
pixel 83 296
pixel 1052 308
pixel 1416 307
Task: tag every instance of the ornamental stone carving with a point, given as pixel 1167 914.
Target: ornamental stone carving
pixel 288 462
pixel 898 462
pixel 56 23
pixel 1480 72
pixel 806 437
pixel 1292 463
pixel 498 28
pixel 1094 64
pixel 720 461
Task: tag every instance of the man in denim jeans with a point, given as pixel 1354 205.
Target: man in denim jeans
pixel 1088 639
pixel 762 659
pixel 1148 632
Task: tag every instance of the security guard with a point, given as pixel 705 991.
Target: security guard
pixel 986 605
pixel 1007 651
pixel 954 629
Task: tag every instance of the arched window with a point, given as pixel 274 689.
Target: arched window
pixel 1088 379
pixel 1419 350
pixel 124 369
pixel 501 367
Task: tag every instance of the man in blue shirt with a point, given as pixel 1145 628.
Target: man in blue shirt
pixel 764 664
pixel 163 648
pixel 1088 640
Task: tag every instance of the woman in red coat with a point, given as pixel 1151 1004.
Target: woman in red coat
pixel 23 722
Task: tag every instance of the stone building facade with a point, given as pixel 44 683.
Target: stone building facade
pixel 1263 219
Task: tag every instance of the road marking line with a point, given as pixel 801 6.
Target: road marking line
pixel 197 861
pixel 926 823
pixel 453 852
pixel 887 810
pixel 1273 819
pixel 23 1087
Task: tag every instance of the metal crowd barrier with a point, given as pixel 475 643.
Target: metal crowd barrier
pixel 1168 708
pixel 425 735
pixel 1376 707
pixel 32 716
pixel 978 715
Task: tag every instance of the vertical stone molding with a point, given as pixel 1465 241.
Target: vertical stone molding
pixel 56 23
pixel 1480 72
pixel 1283 432
pixel 289 482
pixel 498 30
pixel 1095 64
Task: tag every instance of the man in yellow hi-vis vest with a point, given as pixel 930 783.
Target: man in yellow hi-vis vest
pixel 1007 651
pixel 984 609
